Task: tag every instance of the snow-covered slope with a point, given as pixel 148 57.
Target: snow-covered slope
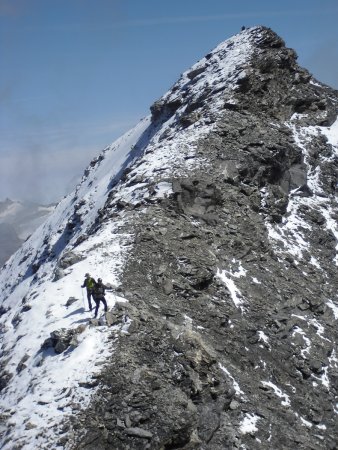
pixel 40 387
pixel 214 220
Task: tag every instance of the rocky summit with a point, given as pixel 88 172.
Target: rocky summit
pixel 215 222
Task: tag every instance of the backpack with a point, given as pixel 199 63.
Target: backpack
pixel 90 284
pixel 99 289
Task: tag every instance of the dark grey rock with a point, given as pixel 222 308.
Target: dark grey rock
pixel 61 340
pixel 226 322
pixel 69 259
pixel 70 301
pixel 120 423
pixel 139 432
pixel 21 366
pixel 58 274
pixel 94 322
pixel 16 320
pixel 26 308
pixel 3 310
pixel 112 318
pixel 5 377
pixel 168 287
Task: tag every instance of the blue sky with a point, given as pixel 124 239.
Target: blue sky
pixel 76 74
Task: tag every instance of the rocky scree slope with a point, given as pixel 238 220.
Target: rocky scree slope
pixel 232 280
pixel 223 220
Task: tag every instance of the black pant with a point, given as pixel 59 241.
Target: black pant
pixel 89 295
pixel 97 302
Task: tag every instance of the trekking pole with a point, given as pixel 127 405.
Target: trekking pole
pixel 114 296
pixel 83 300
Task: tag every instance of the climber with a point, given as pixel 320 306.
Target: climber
pixel 98 295
pixel 89 284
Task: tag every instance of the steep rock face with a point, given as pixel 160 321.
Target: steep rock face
pixel 219 227
pixel 232 279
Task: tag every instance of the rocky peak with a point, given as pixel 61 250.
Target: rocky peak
pixel 215 219
pixel 202 90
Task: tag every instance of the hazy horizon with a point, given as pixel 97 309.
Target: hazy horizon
pixel 77 75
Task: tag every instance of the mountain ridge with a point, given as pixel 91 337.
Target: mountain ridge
pixel 18 220
pixel 214 219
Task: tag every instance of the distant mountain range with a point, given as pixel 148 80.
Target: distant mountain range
pixel 18 220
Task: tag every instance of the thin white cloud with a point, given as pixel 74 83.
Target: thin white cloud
pixel 41 164
pixel 186 19
pixel 221 17
pixel 80 27
pixel 42 176
pixel 65 131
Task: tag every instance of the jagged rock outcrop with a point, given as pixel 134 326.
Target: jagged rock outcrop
pixel 232 341
pixel 227 216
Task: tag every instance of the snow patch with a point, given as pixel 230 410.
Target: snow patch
pixel 305 422
pixel 334 308
pixel 331 134
pixel 163 189
pixel 248 424
pixel 298 330
pixel 226 276
pixel 254 279
pixel 278 392
pixel 324 378
pixel 238 390
pixel 263 337
pixel 235 293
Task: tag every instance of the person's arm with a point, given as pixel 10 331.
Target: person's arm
pixel 109 288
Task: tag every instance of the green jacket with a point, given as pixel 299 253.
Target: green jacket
pixel 89 283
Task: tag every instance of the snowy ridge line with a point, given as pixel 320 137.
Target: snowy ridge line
pixel 34 400
pixel 95 184
pixel 52 236
pixel 51 316
pixel 216 73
